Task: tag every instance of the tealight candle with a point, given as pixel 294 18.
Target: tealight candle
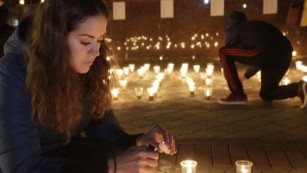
pixel 126 71
pixel 123 83
pixel 131 67
pixel 208 92
pixel 188 166
pixel 243 166
pixel 164 148
pixel 286 81
pixel 208 81
pixel 196 68
pixel 115 92
pixel 151 93
pixel 156 69
pixel 192 89
pixel 138 92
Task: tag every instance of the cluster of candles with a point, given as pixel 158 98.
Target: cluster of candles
pixel 207 77
pixel 299 67
pixel 153 90
pixel 205 40
pixel 160 76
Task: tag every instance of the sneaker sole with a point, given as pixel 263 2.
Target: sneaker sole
pixel 304 104
pixel 232 103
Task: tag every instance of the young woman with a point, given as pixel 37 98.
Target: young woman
pixel 55 104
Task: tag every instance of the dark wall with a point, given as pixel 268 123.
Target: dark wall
pixel 190 17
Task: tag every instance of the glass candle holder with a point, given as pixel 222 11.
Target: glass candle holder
pixel 138 92
pixel 243 166
pixel 188 166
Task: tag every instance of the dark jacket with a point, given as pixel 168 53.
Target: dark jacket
pixel 23 141
pixel 5 32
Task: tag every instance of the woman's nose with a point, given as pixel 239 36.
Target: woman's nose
pixel 95 49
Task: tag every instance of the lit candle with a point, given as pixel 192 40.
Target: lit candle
pixel 156 69
pixel 208 92
pixel 243 166
pixel 141 72
pixel 115 92
pixel 188 166
pixel 138 92
pixel 192 89
pixel 196 68
pixel 286 81
pixel 123 83
pixel 150 93
pixel 208 81
pixel 131 67
pixel 126 71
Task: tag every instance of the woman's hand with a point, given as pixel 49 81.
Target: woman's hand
pixel 135 160
pixel 156 136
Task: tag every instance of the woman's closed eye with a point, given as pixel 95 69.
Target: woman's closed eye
pixel 87 43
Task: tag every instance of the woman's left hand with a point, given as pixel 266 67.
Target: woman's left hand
pixel 156 136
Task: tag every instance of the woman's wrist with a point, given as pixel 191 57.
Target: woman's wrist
pixel 110 165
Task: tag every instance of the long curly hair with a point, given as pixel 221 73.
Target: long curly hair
pixel 59 95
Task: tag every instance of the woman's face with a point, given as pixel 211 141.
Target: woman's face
pixel 84 42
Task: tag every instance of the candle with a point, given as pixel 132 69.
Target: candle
pixel 131 67
pixel 286 81
pixel 151 93
pixel 138 92
pixel 123 83
pixel 208 92
pixel 188 166
pixel 156 69
pixel 243 166
pixel 208 81
pixel 126 71
pixel 115 92
pixel 164 148
pixel 141 72
pixel 196 68
pixel 192 89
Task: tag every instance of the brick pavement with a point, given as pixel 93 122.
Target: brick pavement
pixel 274 127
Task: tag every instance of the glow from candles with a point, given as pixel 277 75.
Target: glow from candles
pixel 131 67
pixel 208 81
pixel 141 72
pixel 123 83
pixel 156 69
pixel 138 92
pixel 115 92
pixel 286 81
pixel 208 92
pixel 196 68
pixel 119 72
pixel 126 71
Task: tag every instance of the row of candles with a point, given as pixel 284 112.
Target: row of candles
pixel 207 77
pixel 242 166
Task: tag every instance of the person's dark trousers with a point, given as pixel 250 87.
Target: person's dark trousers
pixel 271 72
pixel 271 77
pixel 228 57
